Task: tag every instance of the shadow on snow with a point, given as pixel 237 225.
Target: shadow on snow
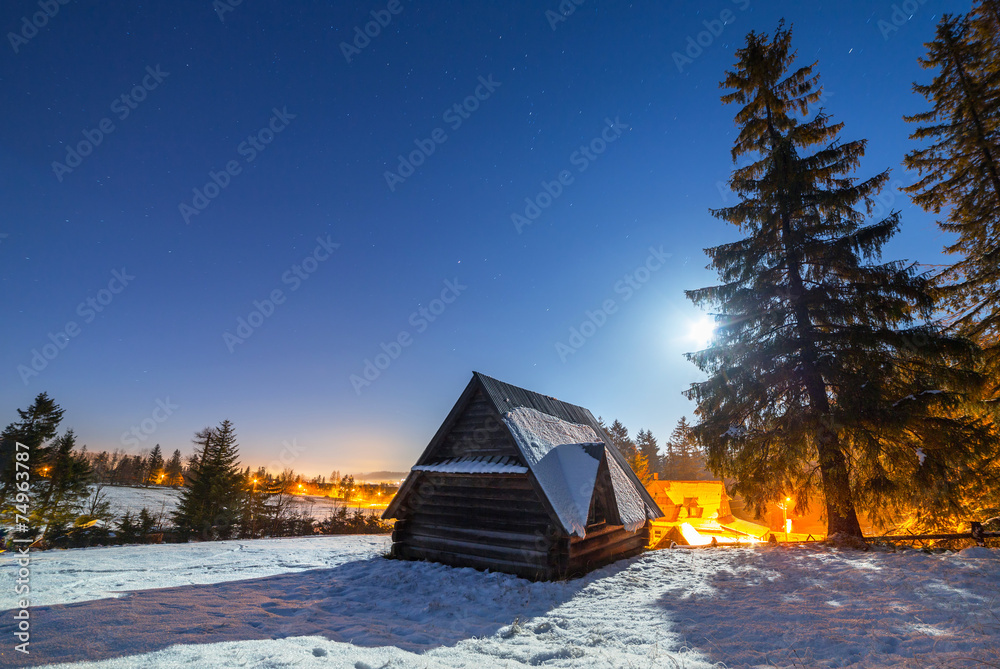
pixel 415 606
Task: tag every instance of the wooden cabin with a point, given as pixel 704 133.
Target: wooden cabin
pixel 519 482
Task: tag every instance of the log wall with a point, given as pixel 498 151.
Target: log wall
pixel 603 545
pixel 484 521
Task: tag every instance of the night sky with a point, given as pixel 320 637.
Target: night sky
pixel 359 202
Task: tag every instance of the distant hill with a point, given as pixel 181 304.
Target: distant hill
pixel 379 477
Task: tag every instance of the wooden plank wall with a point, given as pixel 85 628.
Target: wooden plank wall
pixel 603 545
pixel 484 521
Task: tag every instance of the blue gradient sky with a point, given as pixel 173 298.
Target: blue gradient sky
pixel 323 176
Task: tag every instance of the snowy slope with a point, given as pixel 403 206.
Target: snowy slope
pixel 333 602
pixel 164 500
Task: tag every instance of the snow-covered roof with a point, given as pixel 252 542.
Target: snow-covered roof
pixel 631 508
pixel 561 455
pixel 554 451
pixel 497 464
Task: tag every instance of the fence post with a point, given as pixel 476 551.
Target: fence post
pixel 977 533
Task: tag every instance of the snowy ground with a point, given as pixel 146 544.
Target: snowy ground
pixel 164 500
pixel 334 602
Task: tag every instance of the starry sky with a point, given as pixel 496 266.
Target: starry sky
pixel 317 219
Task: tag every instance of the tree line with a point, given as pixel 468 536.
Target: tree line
pixel 681 459
pixel 835 374
pixel 54 492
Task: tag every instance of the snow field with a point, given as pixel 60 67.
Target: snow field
pixel 335 602
pixel 157 500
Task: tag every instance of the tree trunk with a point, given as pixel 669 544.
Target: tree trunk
pixel 841 518
pixel 840 513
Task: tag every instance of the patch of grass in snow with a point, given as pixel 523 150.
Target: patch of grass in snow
pixel 511 630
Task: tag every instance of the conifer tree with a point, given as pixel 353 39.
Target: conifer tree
pixel 646 444
pixel 127 530
pixel 347 487
pixel 59 495
pixel 685 461
pixel 621 440
pixel 38 425
pixel 640 465
pixel 960 168
pixel 173 470
pixel 824 376
pixel 154 466
pixel 146 523
pixel 211 503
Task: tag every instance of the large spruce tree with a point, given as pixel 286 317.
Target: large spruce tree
pixel 824 377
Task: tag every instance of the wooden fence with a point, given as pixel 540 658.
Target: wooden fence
pixel 977 534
